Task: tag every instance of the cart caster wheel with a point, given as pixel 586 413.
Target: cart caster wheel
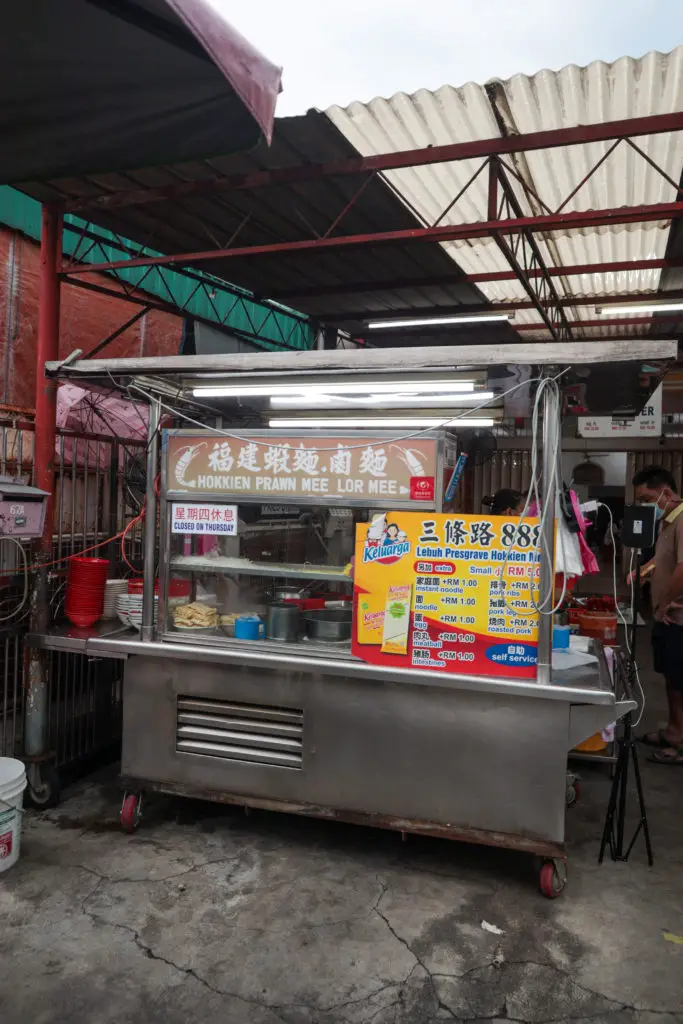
pixel 43 788
pixel 553 878
pixel 130 812
pixel 573 794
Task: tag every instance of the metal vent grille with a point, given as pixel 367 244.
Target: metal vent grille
pixel 241 732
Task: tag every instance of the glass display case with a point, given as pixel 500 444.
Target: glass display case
pixel 283 577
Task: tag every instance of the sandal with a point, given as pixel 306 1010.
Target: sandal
pixel 672 755
pixel 656 739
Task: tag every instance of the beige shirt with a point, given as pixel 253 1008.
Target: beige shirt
pixel 668 555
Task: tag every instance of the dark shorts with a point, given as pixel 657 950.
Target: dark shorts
pixel 667 649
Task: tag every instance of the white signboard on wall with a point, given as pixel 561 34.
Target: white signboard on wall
pixel 647 424
pixel 205 517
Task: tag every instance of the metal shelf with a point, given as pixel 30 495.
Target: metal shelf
pixel 230 566
pixel 300 648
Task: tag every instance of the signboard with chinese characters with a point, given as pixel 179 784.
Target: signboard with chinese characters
pixel 647 424
pixel 360 468
pixel 472 579
pixel 204 517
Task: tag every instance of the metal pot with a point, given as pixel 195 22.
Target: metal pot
pixel 282 622
pixel 289 593
pixel 329 625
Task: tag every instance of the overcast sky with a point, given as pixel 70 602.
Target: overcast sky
pixel 336 51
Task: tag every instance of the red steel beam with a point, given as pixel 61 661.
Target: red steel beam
pixel 466 309
pixel 521 253
pixel 442 233
pixel 36 700
pixel 47 350
pixel 525 143
pixel 603 322
pixel 457 277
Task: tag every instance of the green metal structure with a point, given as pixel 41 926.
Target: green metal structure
pixel 197 295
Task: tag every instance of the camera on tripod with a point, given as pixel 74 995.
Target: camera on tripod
pixel 638 532
pixel 639 527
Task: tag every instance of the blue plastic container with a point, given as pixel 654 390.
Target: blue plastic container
pixel 561 638
pixel 249 627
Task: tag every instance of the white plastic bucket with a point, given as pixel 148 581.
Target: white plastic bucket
pixel 12 786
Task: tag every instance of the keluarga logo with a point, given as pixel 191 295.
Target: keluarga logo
pixel 386 553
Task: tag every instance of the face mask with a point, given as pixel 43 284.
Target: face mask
pixel 659 512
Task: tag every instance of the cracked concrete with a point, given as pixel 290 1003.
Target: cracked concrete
pixel 207 915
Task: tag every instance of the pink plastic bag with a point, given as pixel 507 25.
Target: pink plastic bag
pixel 590 562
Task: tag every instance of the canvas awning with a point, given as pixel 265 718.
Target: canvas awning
pixel 93 86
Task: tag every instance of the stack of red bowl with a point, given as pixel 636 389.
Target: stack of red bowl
pixel 85 587
pixel 136 585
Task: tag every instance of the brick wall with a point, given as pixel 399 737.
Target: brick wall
pixel 86 318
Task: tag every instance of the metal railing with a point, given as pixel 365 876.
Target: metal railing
pixel 85 707
pixel 99 487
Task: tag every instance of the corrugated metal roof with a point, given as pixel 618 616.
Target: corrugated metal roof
pixel 284 213
pixel 350 285
pixel 572 96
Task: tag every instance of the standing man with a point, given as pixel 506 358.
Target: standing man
pixel 656 486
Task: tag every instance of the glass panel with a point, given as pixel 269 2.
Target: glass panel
pixel 262 583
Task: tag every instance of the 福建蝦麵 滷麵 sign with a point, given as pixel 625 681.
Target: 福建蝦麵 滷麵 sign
pixel 276 467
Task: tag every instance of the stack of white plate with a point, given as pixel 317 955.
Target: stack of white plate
pixel 113 590
pixel 129 609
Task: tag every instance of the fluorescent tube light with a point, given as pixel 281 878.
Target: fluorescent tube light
pixel 644 307
pixel 343 387
pixel 400 401
pixel 376 422
pixel 442 321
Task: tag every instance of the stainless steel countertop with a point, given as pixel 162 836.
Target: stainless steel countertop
pixel 587 684
pixel 62 636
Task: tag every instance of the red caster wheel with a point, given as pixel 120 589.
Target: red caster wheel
pixel 130 812
pixel 553 878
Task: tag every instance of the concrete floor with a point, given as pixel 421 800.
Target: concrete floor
pixel 207 915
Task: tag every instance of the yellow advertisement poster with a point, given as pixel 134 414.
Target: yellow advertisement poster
pixel 450 593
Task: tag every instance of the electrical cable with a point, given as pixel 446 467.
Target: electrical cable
pixel 123 541
pixel 57 595
pixel 553 487
pixel 462 418
pixel 77 554
pixel 544 382
pixel 14 614
pixel 93 547
pixel 620 614
pixel 549 507
pixel 226 433
pixel 634 620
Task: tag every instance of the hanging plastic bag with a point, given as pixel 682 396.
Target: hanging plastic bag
pixel 568 560
pixel 590 562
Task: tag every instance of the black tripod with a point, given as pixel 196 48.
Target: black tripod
pixel 627 751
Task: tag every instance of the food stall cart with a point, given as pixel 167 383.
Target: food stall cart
pixel 245 689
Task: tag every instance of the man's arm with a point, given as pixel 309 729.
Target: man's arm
pixel 673 596
pixel 645 571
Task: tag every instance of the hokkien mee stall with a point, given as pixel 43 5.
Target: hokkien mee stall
pixel 323 632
